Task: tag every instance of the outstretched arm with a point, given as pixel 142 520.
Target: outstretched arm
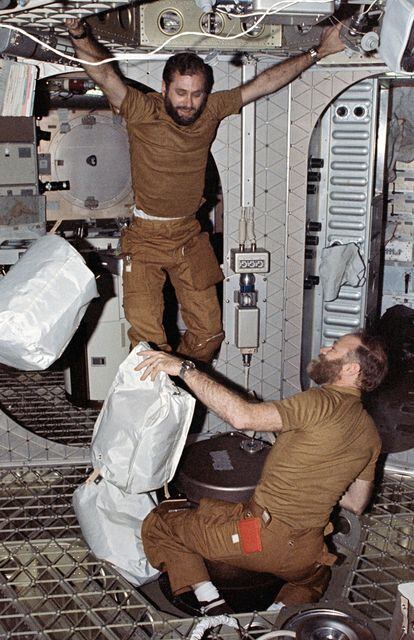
pixel 228 405
pixel 281 74
pixel 87 48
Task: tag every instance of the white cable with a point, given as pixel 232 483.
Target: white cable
pixel 273 9
pixel 247 381
pixel 286 4
pixel 371 5
pixel 212 621
pixel 44 44
pixel 242 228
pixel 133 56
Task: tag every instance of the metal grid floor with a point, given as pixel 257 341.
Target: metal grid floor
pixel 52 586
pixel 37 401
pixel 385 557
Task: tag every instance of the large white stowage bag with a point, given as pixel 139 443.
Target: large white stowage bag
pixel 42 301
pixel 142 428
pixel 138 440
pixel 111 521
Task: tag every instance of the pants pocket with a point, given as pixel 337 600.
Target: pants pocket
pixel 133 242
pixel 203 267
pixel 223 541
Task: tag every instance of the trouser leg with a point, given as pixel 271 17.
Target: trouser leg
pixel 202 317
pixel 178 542
pixel 200 310
pixel 166 550
pixel 144 303
pixel 178 248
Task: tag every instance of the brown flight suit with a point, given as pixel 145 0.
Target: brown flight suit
pixel 168 164
pixel 327 441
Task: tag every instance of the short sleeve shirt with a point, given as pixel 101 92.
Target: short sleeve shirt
pixel 327 441
pixel 168 160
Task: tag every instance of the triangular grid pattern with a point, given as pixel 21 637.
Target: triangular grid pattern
pixel 284 124
pixel 309 96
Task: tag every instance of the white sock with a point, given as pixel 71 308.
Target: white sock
pixel 206 592
pixel 275 607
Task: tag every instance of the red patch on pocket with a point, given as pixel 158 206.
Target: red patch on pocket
pixel 249 533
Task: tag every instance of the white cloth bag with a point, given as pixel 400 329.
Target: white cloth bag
pixel 142 428
pixel 111 525
pixel 138 440
pixel 42 301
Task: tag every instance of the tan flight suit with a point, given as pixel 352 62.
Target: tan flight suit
pixel 179 249
pixel 168 165
pixel 327 441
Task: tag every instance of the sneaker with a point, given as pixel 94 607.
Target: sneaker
pixel 217 607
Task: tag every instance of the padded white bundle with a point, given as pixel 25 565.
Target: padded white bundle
pixel 111 521
pixel 42 301
pixel 142 428
pixel 138 440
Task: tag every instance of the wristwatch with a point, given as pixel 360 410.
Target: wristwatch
pixel 314 54
pixel 84 34
pixel 186 365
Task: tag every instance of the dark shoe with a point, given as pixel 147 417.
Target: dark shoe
pixel 217 607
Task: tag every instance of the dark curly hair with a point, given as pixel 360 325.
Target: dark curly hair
pixel 188 64
pixel 372 359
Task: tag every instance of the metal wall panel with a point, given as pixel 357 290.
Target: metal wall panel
pixel 309 96
pixel 347 146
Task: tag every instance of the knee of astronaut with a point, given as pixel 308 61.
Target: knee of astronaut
pixel 135 337
pixel 307 591
pixel 202 349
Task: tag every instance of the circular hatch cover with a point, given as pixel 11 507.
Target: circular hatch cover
pixel 94 156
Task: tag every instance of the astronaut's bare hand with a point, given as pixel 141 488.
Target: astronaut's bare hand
pixel 331 41
pixel 74 26
pixel 156 361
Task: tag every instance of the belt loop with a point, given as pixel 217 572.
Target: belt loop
pixel 266 517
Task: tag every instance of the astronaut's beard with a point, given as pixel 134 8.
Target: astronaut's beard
pixel 324 371
pixel 183 116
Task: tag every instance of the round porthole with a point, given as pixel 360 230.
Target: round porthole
pixel 212 23
pixel 84 156
pixel 252 29
pixel 125 16
pixel 170 22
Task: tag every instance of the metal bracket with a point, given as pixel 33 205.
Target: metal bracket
pixel 404 613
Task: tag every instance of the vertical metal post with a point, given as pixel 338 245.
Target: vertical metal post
pixel 248 134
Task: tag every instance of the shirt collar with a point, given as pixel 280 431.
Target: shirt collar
pixel 353 391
